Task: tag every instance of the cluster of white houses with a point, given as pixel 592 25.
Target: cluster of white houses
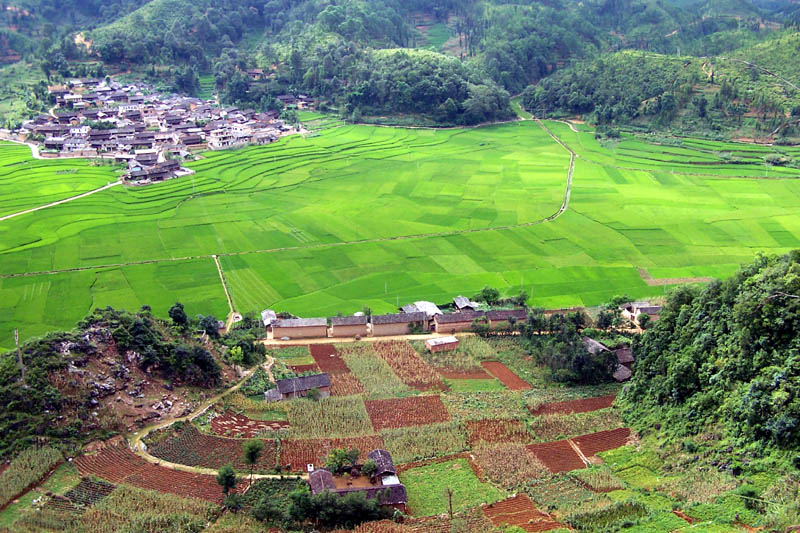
pixel 417 317
pixel 136 125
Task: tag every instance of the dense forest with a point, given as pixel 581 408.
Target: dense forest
pixel 725 358
pixel 461 59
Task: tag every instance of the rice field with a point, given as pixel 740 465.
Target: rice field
pixel 358 215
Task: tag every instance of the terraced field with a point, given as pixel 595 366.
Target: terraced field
pixel 355 215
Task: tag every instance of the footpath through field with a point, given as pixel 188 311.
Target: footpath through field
pixel 59 202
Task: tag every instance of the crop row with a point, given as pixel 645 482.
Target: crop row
pixel 408 365
pixel 25 470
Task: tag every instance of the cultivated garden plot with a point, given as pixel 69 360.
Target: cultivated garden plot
pixel 520 511
pixel 415 443
pixel 497 431
pixel 373 372
pixel 506 376
pixel 408 365
pixel 553 427
pixel 328 359
pixel 230 424
pixel 330 417
pixel 582 405
pixel 296 454
pixel 402 412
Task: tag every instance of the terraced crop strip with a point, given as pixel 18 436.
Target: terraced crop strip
pixel 358 214
pixel 575 406
pixel 557 456
pixel 328 359
pixel 118 464
pixel 230 424
pixel 506 376
pixel 192 448
pixel 519 511
pixel 602 441
pixel 497 431
pixel 401 412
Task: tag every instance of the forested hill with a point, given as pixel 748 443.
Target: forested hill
pixel 725 359
pixel 328 50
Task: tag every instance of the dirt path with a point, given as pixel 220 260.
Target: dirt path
pixel 224 285
pixel 64 201
pixel 338 340
pixel 657 282
pixel 135 439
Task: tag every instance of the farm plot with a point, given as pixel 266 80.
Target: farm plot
pixel 557 456
pixel 192 448
pixel 230 424
pixel 474 385
pixel 408 365
pixel 297 453
pixel 330 417
pixel 118 464
pixel 328 359
pixel 510 466
pixel 421 442
pixel 520 512
pixel 426 488
pixel 292 355
pixel 554 427
pixel 602 441
pixel 497 431
pixel 486 405
pixel 582 405
pixel 374 373
pixel 402 412
pixel 345 384
pixel 509 379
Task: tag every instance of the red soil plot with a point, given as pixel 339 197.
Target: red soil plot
pixel 557 456
pixel 497 431
pixel 583 405
pixel 328 359
pixel 463 374
pixel 231 424
pixel 506 376
pixel 602 441
pixel 119 464
pixel 519 511
pixel 402 412
pixel 345 385
pixel 408 365
pixel 300 452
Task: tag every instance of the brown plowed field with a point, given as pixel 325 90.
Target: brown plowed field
pixel 402 412
pixel 583 405
pixel 557 456
pixel 506 376
pixel 192 448
pixel 231 424
pixel 305 368
pixel 463 374
pixel 118 464
pixel 519 511
pixel 602 441
pixel 328 359
pixel 497 431
pixel 300 452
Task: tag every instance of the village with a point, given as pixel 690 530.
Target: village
pixel 149 132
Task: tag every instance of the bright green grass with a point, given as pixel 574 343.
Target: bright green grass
pixel 437 35
pixel 426 488
pixel 516 105
pixel 474 385
pixel 373 216
pixel 207 88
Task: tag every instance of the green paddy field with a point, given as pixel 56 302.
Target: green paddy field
pixel 355 215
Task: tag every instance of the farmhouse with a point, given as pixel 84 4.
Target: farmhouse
pixel 633 310
pixel 398 323
pixel 349 326
pixel 622 372
pixel 462 303
pixel 299 387
pixel 429 308
pixel 383 485
pixel 442 344
pixel 502 317
pixel 453 322
pixel 300 328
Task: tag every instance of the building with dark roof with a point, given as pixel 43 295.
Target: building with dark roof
pixel 299 387
pixel 454 322
pixel 462 303
pixel 398 323
pixel 501 317
pixel 300 328
pixel 349 326
pixel 383 460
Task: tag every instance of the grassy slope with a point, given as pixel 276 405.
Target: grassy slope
pixel 631 207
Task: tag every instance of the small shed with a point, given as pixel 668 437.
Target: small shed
pixel 383 460
pixel 398 323
pixel 594 347
pixel 349 326
pixel 454 322
pixel 321 480
pixel 462 303
pixel 624 357
pixel 299 387
pixel 442 344
pixel 268 316
pixel 300 328
pixel 622 373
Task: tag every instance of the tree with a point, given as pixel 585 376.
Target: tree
pixel 210 325
pixel 252 452
pixel 369 468
pixel 340 457
pixel 226 478
pixel 644 320
pixel 605 319
pixel 233 502
pixel 488 295
pixel 178 315
pixel 313 394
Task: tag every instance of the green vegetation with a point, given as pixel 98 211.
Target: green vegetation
pixel 474 385
pixel 330 417
pixel 26 469
pixel 428 487
pixel 373 372
pixel 423 442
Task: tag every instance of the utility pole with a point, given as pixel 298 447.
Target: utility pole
pixel 19 359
